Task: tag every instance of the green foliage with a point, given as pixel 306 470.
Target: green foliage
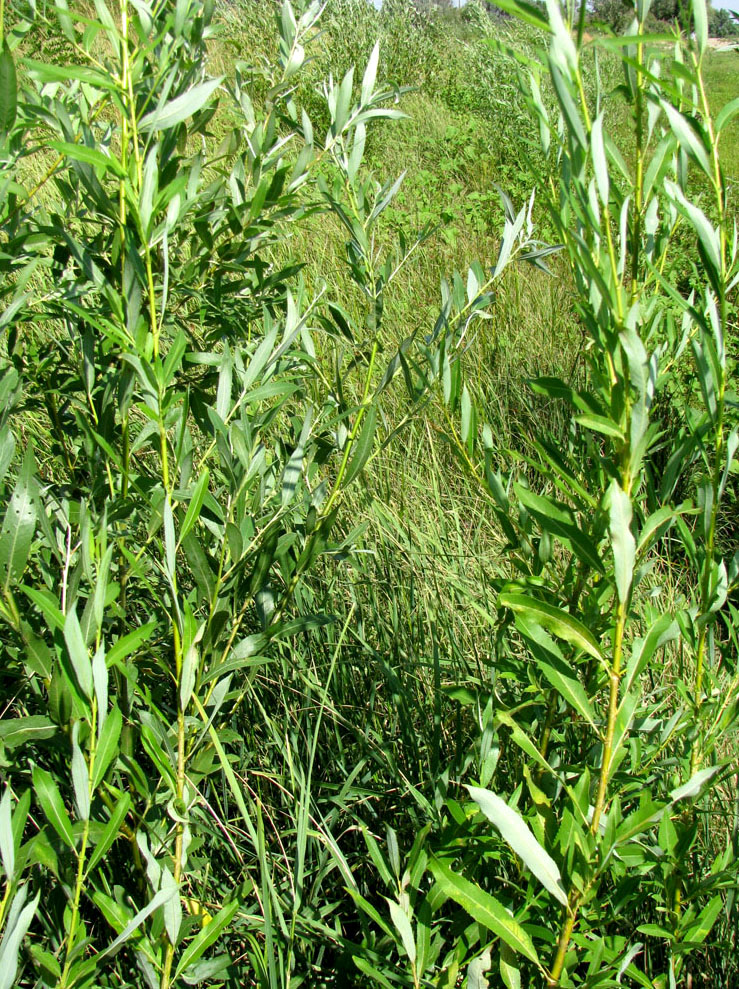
pixel 156 537
pixel 606 772
pixel 349 638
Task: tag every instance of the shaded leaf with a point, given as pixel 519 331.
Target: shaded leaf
pixel 8 90
pixel 22 731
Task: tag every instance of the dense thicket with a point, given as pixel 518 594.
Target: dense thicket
pixel 356 632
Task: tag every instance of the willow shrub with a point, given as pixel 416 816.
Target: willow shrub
pixel 179 423
pixel 173 457
pixel 598 843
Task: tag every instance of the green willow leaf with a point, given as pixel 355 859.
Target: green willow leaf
pixel 688 137
pixel 529 13
pixel 7 844
pixel 46 72
pixel 600 163
pixel 700 23
pixel 24 731
pixel 107 747
pixel 111 831
pixel 89 156
pixel 554 667
pixel 157 901
pixel 403 926
pixel 8 90
pixel 129 643
pixel 697 932
pixel 22 913
pixel 196 504
pixel 80 776
pixel 727 113
pixel 622 539
pixel 363 448
pixel 18 526
pixel 695 784
pixel 600 424
pixel 485 909
pixel 557 519
pixel 370 74
pixel 207 936
pixel 78 653
pixel 509 971
pixel 559 622
pixel 48 796
pixel 171 114
pixel 516 832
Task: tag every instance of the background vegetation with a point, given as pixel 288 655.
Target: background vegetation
pixel 365 622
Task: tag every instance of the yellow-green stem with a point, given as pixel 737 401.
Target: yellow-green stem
pixel 79 883
pixel 6 900
pixel 564 940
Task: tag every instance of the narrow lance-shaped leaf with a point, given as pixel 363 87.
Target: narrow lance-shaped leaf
pixel 697 932
pixel 700 22
pixel 172 907
pixel 107 748
pixel 622 539
pixel 15 732
pixel 206 937
pixel 18 526
pixel 687 136
pixel 370 74
pixel 695 784
pixel 14 935
pixel 157 901
pixel 8 90
pixel 7 845
pixel 509 971
pixel 600 163
pixel 80 776
pixel 89 156
pixel 363 448
pixel 196 504
pixel 559 622
pixel 48 796
pixel 78 654
pixel 179 109
pixel 294 466
pixel 65 21
pixel 485 909
pixel 403 927
pixel 515 831
pixel 111 832
pixel 556 670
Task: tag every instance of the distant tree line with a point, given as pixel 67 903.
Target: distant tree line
pixel 617 13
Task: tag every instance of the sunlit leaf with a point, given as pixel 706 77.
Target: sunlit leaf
pixel 516 832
